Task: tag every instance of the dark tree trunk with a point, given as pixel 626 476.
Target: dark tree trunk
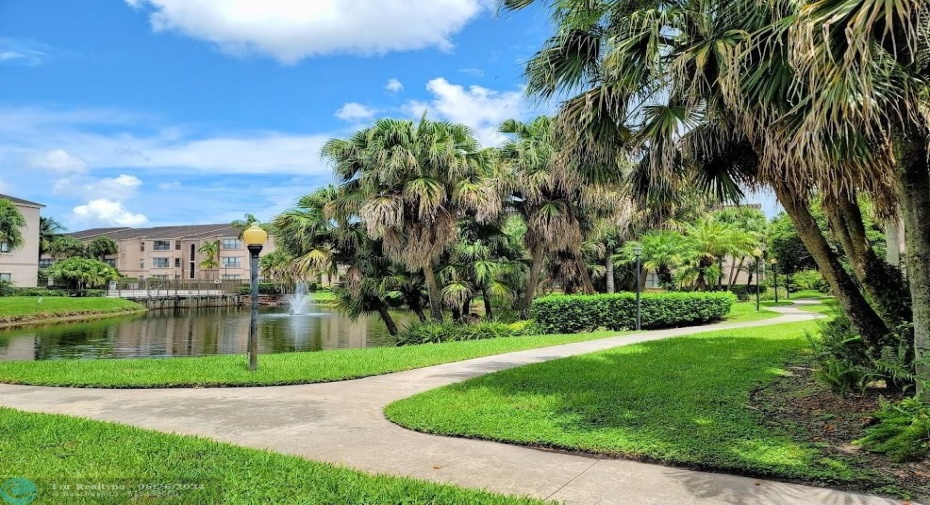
pixel 863 317
pixel 586 285
pixel 415 304
pixel 883 284
pixel 488 310
pixel 435 297
pixel 539 257
pixel 386 317
pixel 609 272
pixel 913 189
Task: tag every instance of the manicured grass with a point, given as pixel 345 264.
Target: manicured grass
pixel 25 309
pixel 274 369
pixel 828 307
pixel 743 312
pixel 324 297
pixel 52 450
pixel 683 401
pixel 809 294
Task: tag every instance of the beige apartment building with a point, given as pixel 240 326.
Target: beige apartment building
pixel 21 265
pixel 173 252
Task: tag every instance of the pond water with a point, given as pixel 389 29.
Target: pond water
pixel 196 333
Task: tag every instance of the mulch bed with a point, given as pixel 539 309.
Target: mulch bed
pixel 798 405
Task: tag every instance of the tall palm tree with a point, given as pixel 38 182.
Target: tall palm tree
pixel 49 230
pixel 101 247
pixel 411 182
pixel 11 225
pixel 211 252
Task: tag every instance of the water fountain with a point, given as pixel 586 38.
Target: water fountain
pixel 298 300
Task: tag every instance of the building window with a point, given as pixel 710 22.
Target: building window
pixel 6 277
pixel 142 246
pixel 232 262
pixel 177 263
pixel 232 277
pixel 160 262
pixel 4 247
pixel 112 263
pixel 45 263
pixel 161 245
pixel 177 245
pixel 232 243
pixel 141 264
pixel 159 277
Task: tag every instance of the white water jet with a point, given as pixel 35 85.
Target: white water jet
pixel 299 300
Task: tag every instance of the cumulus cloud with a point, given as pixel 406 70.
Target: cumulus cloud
pixel 57 160
pixel 354 111
pixel 290 31
pixel 108 212
pixel 481 109
pixel 394 86
pixel 120 188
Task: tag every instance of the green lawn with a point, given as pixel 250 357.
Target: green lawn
pixel 742 312
pixel 25 309
pixel 274 369
pixel 682 401
pixel 56 451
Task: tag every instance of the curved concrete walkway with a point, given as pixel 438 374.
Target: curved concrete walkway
pixel 342 422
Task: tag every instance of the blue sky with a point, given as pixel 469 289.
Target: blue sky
pixel 154 112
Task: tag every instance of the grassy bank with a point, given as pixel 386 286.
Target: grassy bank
pixel 684 401
pixel 274 369
pixel 52 450
pixel 25 309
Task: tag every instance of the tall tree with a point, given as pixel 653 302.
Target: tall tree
pixel 11 225
pixel 414 180
pixel 211 252
pixel 66 246
pixel 49 231
pixel 101 247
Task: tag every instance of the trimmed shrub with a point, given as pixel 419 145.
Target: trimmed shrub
pixel 744 293
pixel 7 288
pixel 809 280
pixel 432 332
pixel 264 288
pixel 578 313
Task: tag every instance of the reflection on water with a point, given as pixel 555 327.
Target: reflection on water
pixel 194 333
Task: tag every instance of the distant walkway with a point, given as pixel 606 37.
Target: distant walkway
pixel 343 423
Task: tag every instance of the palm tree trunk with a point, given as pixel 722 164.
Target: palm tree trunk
pixel 863 317
pixel 488 310
pixel 386 317
pixel 586 283
pixel 539 257
pixel 609 272
pixel 735 270
pixel 432 289
pixel 882 283
pixel 913 188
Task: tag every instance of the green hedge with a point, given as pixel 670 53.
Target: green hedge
pixel 432 332
pixel 578 313
pixel 744 292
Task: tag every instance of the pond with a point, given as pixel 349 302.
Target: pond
pixel 196 333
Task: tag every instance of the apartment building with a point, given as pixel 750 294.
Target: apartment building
pixel 174 252
pixel 21 265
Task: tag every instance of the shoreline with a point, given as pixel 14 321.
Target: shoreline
pixel 75 317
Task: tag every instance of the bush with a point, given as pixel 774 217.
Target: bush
pixel 432 332
pixel 902 431
pixel 264 288
pixel 809 280
pixel 578 313
pixel 6 288
pixel 744 293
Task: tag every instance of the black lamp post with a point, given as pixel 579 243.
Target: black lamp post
pixel 774 263
pixel 638 252
pixel 254 238
pixel 758 255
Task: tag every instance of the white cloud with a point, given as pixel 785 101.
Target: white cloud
pixel 121 188
pixel 353 111
pixel 291 30
pixel 108 212
pixel 394 86
pixel 21 52
pixel 472 71
pixel 168 186
pixel 56 160
pixel 481 109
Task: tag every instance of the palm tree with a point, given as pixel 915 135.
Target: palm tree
pixel 101 247
pixel 411 182
pixel 66 246
pixel 49 230
pixel 663 251
pixel 211 252
pixel 11 225
pixel 754 225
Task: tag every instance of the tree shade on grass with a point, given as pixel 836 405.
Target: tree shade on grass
pixel 682 401
pixel 26 309
pixel 52 450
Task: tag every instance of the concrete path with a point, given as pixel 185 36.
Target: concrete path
pixel 343 423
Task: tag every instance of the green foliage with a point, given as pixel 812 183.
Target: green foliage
pixel 66 246
pixel 101 247
pixel 7 288
pixel 744 293
pixel 38 292
pixel 32 309
pixel 435 332
pixel 83 273
pixel 270 288
pixel 809 280
pixel 574 313
pixel 11 225
pixel 902 432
